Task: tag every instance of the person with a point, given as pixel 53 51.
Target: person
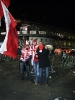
pixel 64 56
pixel 35 61
pixel 44 63
pixel 19 51
pixel 25 61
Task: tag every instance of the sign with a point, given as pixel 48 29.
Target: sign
pixel 32 32
pixel 24 32
pixel 24 28
pixel 42 32
pixel 3 33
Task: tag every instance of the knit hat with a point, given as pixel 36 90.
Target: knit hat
pixel 34 41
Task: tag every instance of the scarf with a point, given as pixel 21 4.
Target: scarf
pixel 41 47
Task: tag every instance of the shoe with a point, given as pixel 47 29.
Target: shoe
pixel 36 83
pixel 28 79
pixel 47 85
pixel 22 79
pixel 40 84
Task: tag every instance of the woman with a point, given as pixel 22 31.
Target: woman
pixel 25 61
pixel 35 61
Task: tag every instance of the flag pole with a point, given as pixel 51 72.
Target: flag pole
pixel 0 22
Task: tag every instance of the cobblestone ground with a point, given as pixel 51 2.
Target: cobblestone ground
pixel 61 84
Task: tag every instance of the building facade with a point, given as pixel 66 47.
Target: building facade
pixel 48 34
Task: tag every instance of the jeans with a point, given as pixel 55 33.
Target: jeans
pixel 22 65
pixel 46 75
pixel 36 71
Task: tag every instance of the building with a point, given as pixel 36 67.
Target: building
pixel 57 37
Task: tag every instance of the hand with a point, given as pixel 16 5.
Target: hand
pixel 46 47
pixel 23 60
pixel 36 56
pixel 35 53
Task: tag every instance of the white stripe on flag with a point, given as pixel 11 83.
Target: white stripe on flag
pixel 7 20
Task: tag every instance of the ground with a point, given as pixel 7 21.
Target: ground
pixel 61 84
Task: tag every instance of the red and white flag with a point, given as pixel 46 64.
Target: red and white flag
pixel 10 43
pixel 6 3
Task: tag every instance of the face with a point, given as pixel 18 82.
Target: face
pixel 40 43
pixel 46 47
pixel 34 43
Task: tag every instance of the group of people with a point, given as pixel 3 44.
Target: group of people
pixel 37 56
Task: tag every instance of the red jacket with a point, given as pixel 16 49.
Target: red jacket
pixel 36 58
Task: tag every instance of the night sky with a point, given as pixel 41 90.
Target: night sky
pixel 57 13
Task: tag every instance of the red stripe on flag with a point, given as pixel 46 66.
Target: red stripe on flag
pixel 14 22
pixel 12 43
pixel 7 3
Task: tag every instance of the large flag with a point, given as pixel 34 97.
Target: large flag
pixel 6 2
pixel 0 22
pixel 10 43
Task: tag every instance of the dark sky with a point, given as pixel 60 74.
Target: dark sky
pixel 58 13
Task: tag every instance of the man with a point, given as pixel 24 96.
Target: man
pixel 44 63
pixel 25 61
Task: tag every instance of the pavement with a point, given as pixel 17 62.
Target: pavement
pixel 61 84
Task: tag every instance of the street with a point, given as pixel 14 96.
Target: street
pixel 61 84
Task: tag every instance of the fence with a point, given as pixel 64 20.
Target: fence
pixel 5 58
pixel 57 61
pixel 69 62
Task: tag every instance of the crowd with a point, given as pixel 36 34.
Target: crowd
pixel 35 55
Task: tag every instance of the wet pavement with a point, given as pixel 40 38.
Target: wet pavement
pixel 61 84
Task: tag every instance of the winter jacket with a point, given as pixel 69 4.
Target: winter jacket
pixel 43 57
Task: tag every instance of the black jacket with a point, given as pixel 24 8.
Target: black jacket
pixel 43 58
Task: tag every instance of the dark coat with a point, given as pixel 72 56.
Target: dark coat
pixel 43 58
